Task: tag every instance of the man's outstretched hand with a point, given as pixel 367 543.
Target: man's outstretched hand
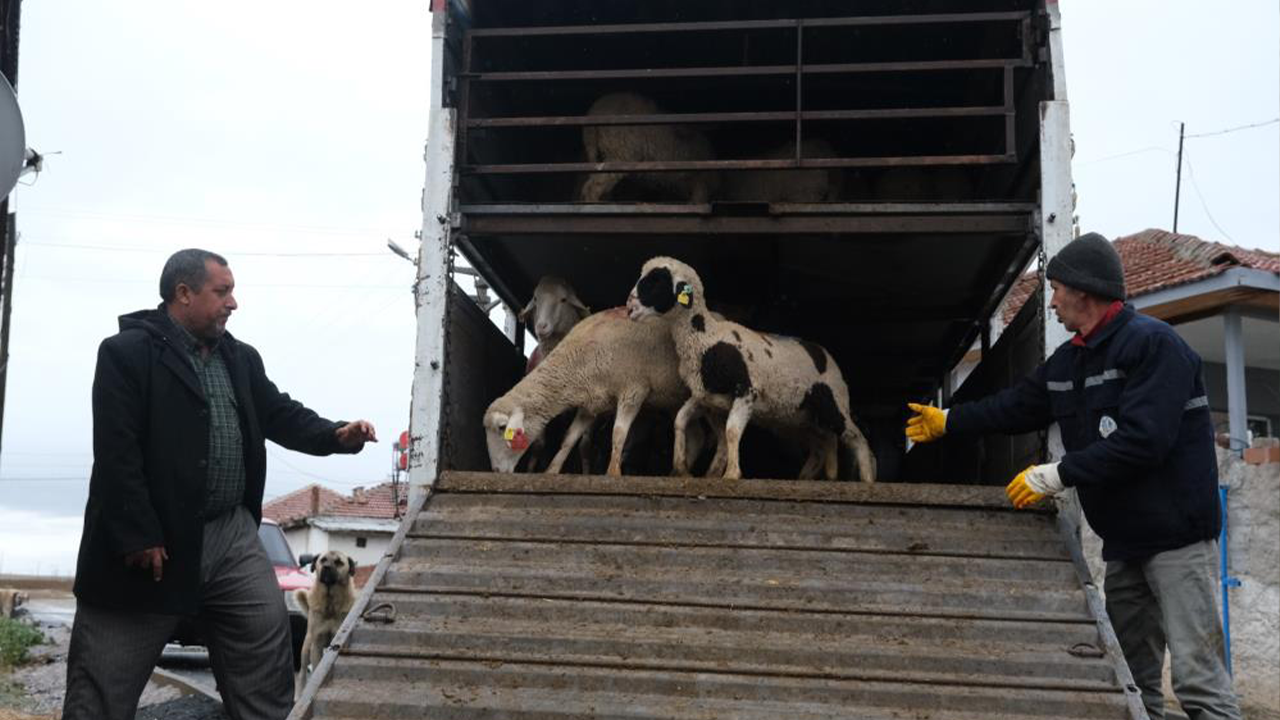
pixel 355 434
pixel 150 559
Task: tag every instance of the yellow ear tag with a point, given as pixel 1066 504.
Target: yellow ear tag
pixel 516 439
pixel 686 295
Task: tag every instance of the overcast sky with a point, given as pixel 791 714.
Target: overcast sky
pixel 288 136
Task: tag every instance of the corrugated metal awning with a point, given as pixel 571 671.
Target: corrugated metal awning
pixel 538 597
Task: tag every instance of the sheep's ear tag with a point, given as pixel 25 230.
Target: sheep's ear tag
pixel 685 296
pixel 515 438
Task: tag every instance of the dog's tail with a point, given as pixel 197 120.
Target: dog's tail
pixel 300 596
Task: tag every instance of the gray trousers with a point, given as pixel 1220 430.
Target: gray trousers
pixel 1168 601
pixel 245 624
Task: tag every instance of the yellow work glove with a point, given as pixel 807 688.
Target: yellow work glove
pixel 927 425
pixel 1033 485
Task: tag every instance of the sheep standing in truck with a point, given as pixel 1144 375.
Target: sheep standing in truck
pixel 607 363
pixel 554 309
pixel 729 368
pixel 644 143
pixel 809 185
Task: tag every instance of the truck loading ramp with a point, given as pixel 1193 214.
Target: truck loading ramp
pixel 528 596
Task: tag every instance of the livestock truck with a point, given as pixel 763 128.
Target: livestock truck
pixel 943 129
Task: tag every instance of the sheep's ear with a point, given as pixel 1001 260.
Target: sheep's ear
pixel 528 309
pixel 496 421
pixel 577 305
pixel 351 565
pixel 516 421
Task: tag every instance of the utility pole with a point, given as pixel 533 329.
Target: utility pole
pixel 10 11
pixel 1177 188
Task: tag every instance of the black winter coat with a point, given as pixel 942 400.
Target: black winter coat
pixel 150 448
pixel 1136 427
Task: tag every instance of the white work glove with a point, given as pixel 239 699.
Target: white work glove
pixel 1034 484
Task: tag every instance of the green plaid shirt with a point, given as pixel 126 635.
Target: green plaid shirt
pixel 224 486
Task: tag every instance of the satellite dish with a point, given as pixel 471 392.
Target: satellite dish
pixel 13 139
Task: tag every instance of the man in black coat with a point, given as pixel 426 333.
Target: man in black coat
pixel 1128 395
pixel 181 412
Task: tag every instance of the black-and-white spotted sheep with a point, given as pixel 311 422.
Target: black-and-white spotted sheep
pixel 783 382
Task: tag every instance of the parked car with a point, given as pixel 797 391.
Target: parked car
pixel 289 576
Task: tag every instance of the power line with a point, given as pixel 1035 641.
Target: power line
pixel 1152 148
pixel 1191 173
pixel 194 221
pixel 316 286
pixel 1238 128
pixel 127 248
pixel 300 471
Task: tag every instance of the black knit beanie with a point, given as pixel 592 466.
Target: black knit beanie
pixel 1091 264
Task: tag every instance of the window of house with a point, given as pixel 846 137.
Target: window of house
pixel 361 542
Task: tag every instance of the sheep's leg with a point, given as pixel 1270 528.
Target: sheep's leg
pixel 584 451
pixel 628 407
pixel 739 415
pixel 679 461
pixel 598 186
pixel 854 439
pixel 695 443
pixel 830 455
pixel 700 192
pixel 721 458
pixel 581 422
pixel 812 461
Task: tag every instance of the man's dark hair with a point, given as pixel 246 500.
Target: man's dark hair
pixel 186 267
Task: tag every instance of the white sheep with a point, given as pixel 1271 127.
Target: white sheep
pixel 785 382
pixel 606 363
pixel 644 143
pixel 554 309
pixel 810 185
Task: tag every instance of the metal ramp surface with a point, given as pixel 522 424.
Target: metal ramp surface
pixel 535 597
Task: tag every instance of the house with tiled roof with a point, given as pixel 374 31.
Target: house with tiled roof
pixel 316 519
pixel 1224 301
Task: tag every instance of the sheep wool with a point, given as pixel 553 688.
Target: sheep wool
pixel 782 382
pixel 605 363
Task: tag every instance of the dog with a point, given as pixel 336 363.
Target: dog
pixel 326 605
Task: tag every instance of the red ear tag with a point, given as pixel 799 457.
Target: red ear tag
pixel 517 440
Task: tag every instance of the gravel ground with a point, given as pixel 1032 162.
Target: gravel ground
pixel 44 681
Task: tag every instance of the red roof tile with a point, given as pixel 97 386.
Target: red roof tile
pixel 1156 259
pixel 315 501
pixel 301 504
pixel 374 502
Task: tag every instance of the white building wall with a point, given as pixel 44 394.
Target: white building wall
pixel 375 546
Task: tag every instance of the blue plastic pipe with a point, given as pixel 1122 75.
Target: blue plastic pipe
pixel 1228 582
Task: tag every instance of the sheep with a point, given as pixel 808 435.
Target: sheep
pixel 729 368
pixel 812 185
pixel 555 309
pixel 606 363
pixel 644 143
pixel 913 184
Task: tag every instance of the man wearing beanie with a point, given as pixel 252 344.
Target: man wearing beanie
pixel 1129 397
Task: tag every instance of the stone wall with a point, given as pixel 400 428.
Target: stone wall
pixel 1253 545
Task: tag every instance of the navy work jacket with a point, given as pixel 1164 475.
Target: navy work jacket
pixel 1135 423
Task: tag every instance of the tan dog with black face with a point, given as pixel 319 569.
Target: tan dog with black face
pixel 326 604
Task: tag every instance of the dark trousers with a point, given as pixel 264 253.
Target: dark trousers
pixel 245 623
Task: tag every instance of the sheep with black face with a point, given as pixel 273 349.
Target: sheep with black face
pixel 784 382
